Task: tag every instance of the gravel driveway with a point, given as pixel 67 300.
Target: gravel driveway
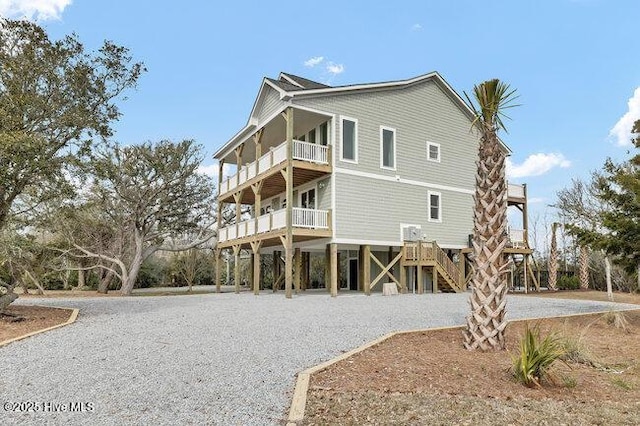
pixel 210 359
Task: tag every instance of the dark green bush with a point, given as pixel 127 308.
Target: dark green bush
pixel 568 282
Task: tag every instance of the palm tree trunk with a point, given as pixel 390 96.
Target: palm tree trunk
pixel 584 267
pixel 486 324
pixel 553 260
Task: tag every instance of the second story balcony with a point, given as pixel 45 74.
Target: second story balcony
pixel 310 159
pixel 516 193
pixel 305 222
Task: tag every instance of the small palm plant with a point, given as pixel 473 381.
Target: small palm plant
pixel 536 356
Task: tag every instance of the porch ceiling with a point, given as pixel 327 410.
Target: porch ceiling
pixel 274 184
pixel 275 133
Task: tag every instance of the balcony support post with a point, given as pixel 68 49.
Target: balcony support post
pixel 306 257
pixel 257 139
pixel 276 270
pixel 419 270
pixel 238 153
pixel 366 269
pixel 461 267
pixel 288 281
pixel 237 197
pixel 217 255
pixel 236 268
pixel 257 192
pixel 255 248
pixel 334 269
pixel 298 272
pixel 327 267
pixel 435 279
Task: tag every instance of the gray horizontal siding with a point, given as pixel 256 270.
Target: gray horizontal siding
pixel 419 113
pixel 368 209
pixel 268 104
pixel 324 194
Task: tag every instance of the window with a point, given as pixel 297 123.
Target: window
pixel 433 152
pixel 324 133
pixel 349 140
pixel 435 207
pixel 308 199
pixel 312 136
pixel 387 148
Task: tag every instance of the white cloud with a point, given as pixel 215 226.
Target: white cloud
pixel 621 132
pixel 335 69
pixel 416 27
pixel 212 170
pixel 312 62
pixel 34 10
pixel 536 200
pixel 536 165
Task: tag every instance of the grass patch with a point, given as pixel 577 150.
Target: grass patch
pixel 622 383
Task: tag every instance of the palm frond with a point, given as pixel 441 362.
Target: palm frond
pixel 492 98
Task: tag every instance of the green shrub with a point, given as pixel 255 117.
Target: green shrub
pixel 536 356
pixel 52 283
pixel 568 282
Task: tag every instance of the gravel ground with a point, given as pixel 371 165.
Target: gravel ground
pixel 210 359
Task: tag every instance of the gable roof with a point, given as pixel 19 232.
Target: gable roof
pixel 292 86
pixel 301 82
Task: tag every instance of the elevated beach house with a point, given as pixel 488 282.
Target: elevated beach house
pixel 382 174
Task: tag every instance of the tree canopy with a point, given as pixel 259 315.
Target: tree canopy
pixel 56 100
pixel 146 197
pixel 605 213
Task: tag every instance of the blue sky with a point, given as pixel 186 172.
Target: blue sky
pixel 573 63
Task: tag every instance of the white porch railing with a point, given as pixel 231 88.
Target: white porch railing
pixel 517 238
pixel 515 190
pixel 310 218
pixel 303 151
pixel 312 152
pixel 301 218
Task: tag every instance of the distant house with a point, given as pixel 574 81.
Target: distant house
pixel 381 173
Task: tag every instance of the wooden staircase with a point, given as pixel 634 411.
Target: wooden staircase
pixel 429 254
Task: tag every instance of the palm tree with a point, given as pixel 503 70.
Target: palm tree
pixel 486 323
pixel 584 267
pixel 553 258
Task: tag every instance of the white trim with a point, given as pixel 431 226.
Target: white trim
pixel 366 242
pixel 314 110
pixel 365 86
pixel 439 195
pixel 290 80
pixel 356 242
pixel 405 181
pixel 355 139
pixel 429 145
pixel 395 160
pixel 332 138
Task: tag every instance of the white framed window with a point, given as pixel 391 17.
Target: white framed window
pixel 387 148
pixel 434 201
pixel 349 147
pixel 308 198
pixel 433 152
